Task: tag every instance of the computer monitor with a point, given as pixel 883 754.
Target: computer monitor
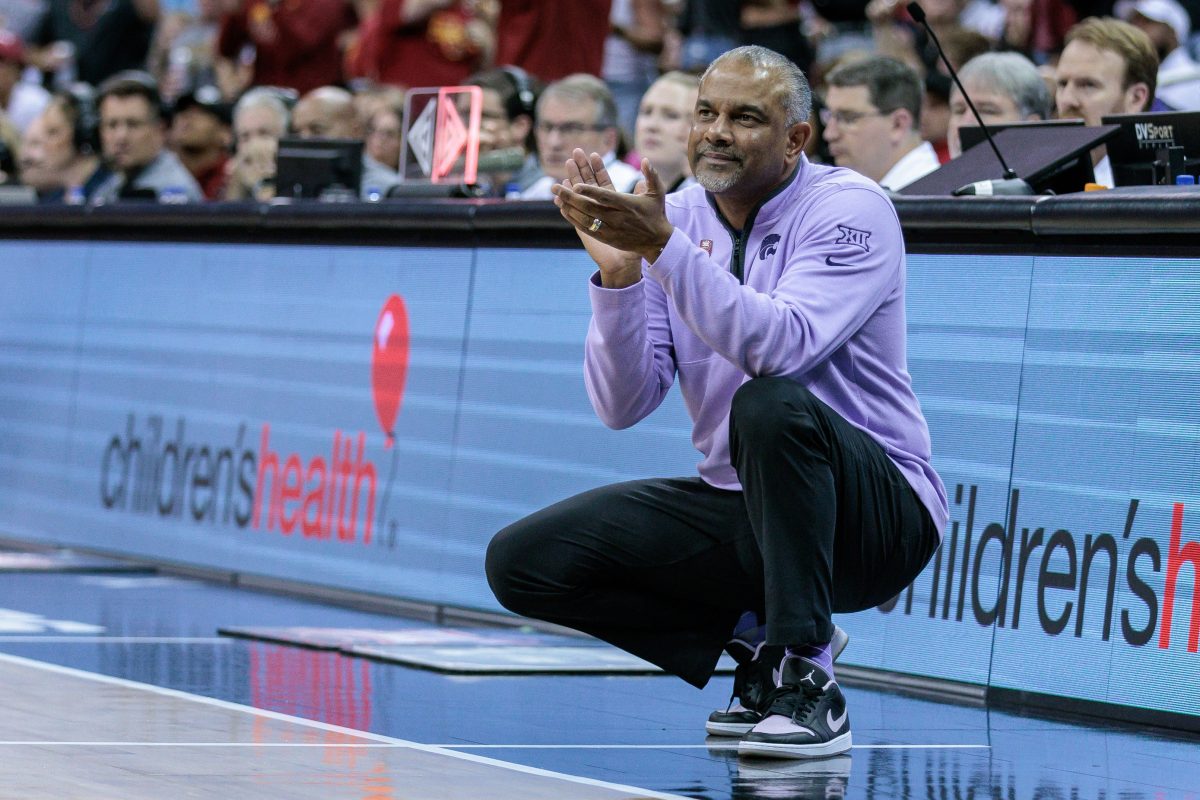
pixel 1154 148
pixel 316 168
pixel 1051 158
pixel 971 135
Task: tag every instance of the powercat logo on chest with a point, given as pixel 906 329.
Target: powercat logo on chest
pixel 769 245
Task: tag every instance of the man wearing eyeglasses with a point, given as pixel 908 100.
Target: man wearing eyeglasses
pixel 872 122
pixel 577 112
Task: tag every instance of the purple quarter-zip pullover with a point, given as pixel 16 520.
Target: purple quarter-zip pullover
pixel 821 302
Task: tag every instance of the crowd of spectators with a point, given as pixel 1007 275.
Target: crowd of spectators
pixel 187 100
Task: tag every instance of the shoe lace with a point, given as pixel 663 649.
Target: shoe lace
pixel 793 701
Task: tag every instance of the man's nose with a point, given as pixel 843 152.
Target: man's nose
pixel 719 130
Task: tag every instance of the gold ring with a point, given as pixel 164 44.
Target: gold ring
pixel 596 225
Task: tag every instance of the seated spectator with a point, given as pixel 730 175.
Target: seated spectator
pixel 381 151
pixel 133 140
pixel 1005 87
pixel 1107 67
pixel 507 147
pixel 664 123
pixel 577 111
pixel 60 153
pixel 328 112
pixel 1168 26
pixel 260 119
pixel 872 120
pixel 292 44
pixel 200 134
pixel 961 45
pixel 21 100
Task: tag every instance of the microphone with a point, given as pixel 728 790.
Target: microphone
pixel 508 159
pixel 1011 184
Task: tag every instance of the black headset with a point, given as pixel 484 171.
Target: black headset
pixel 85 133
pixel 526 94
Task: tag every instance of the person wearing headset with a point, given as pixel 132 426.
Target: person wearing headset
pixel 60 152
pixel 133 139
pixel 507 150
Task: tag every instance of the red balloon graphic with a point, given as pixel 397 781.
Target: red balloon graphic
pixel 389 363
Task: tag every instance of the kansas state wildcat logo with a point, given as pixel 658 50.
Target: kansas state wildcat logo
pixel 768 247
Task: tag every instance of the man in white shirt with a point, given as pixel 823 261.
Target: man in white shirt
pixel 1106 67
pixel 1168 25
pixel 872 121
pixel 577 111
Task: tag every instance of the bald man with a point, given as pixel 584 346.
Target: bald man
pixel 328 112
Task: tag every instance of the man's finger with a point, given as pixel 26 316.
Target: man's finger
pixel 573 174
pixel 600 171
pixel 653 182
pixel 583 165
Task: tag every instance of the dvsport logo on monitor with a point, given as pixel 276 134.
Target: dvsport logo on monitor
pixel 155 468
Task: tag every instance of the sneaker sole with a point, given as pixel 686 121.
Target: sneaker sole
pixel 833 747
pixel 728 728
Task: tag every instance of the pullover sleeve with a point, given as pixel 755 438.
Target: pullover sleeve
pixel 843 258
pixel 628 358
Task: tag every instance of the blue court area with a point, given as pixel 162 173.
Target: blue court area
pixel 642 731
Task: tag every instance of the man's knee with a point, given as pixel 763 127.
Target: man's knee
pixel 506 553
pixel 764 408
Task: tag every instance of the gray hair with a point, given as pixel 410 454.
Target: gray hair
pixel 582 87
pixel 890 84
pixel 1014 76
pixel 797 99
pixel 263 97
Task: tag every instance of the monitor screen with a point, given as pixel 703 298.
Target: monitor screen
pixel 971 135
pixel 312 168
pixel 1153 148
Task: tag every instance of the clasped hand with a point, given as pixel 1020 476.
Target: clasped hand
pixel 618 229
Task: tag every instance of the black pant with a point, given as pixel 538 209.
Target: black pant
pixel 664 568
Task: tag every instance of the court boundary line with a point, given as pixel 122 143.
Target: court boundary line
pixel 90 639
pixel 398 745
pixel 328 727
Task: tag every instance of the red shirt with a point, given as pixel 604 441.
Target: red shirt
pixel 435 51
pixel 303 54
pixel 553 38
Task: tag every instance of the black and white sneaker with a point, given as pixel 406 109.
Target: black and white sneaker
pixel 754 679
pixel 806 718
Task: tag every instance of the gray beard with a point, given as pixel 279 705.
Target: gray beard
pixel 719 183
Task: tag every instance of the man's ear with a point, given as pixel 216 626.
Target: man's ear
pixel 798 136
pixel 902 123
pixel 1137 98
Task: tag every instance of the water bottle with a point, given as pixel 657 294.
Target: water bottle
pixel 74 196
pixel 374 195
pixel 64 73
pixel 173 195
pixel 1185 180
